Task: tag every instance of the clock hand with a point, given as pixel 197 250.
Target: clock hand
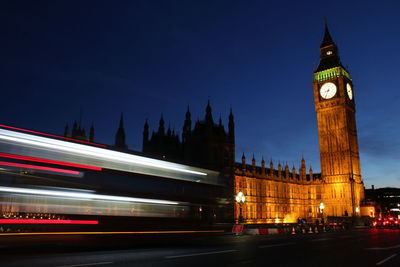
pixel 327 91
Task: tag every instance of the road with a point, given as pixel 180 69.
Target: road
pixel 359 247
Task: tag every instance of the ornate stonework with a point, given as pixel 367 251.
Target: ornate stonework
pixel 276 195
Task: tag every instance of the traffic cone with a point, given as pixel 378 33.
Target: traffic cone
pixel 316 230
pixel 310 230
pixel 323 229
pixel 303 230
pixel 293 231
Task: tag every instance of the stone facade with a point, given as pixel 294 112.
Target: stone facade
pixel 277 195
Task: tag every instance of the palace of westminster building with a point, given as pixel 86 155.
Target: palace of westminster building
pixel 275 193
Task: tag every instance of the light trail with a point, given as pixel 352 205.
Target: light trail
pixel 52 135
pixel 40 168
pixel 113 233
pixel 93 152
pixel 47 221
pixel 56 162
pixel 83 195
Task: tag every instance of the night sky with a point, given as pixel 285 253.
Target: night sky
pixel 144 58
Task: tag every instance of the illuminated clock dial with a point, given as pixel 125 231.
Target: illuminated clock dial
pixel 349 91
pixel 328 90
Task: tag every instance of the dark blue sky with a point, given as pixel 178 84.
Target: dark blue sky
pixel 144 58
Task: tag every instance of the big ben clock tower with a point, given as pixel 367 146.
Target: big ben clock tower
pixel 335 107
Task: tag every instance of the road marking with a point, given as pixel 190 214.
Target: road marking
pixel 320 239
pixel 277 245
pixel 385 260
pixel 386 248
pixel 200 254
pixel 87 264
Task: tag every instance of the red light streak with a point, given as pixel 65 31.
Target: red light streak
pixel 45 221
pixel 4 163
pixel 5 155
pixel 52 135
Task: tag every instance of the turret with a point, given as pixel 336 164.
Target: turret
pixel 271 168
pixel 161 128
pixel 262 166
pixel 209 118
pixel 243 162
pixel 145 135
pixel 293 172
pixel 187 126
pixel 286 171
pixel 303 170
pixel 279 169
pixel 91 133
pixel 311 174
pixel 120 135
pixel 66 130
pixel 231 128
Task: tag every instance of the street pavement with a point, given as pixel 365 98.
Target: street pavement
pixel 358 247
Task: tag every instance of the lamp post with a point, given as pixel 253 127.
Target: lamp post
pixel 357 211
pixel 240 198
pixel 321 208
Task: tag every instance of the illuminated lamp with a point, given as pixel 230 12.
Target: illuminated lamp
pixel 240 199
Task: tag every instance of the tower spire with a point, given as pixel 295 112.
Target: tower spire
pixel 120 136
pixel 161 129
pixel 187 126
pixel 329 53
pixel 209 118
pixel 91 133
pixel 327 40
pixel 231 127
pixel 145 135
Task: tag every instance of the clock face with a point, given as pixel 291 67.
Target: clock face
pixel 328 90
pixel 349 91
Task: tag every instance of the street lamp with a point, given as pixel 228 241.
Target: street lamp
pixel 321 208
pixel 240 198
pixel 357 211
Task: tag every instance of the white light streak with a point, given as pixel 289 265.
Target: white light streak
pixel 94 152
pixel 83 195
